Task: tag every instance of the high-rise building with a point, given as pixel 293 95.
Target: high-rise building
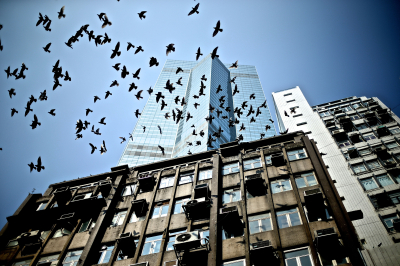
pixel 180 138
pixel 360 140
pixel 264 202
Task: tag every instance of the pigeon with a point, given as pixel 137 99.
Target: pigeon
pixel 86 124
pixel 162 149
pixel 233 80
pixel 67 77
pixel 123 139
pixel 39 166
pixel 244 105
pixel 105 21
pixel 96 98
pixel 198 54
pixel 28 108
pixel 116 66
pixel 251 111
pixel 124 72
pixel 108 93
pixel 137 113
pixel 35 122
pixel 8 72
pixel 211 108
pixel 201 133
pixel 52 112
pixel 91 36
pixel 11 92
pixel 40 19
pixel 138 95
pixel 98 40
pixel 252 96
pixel 46 48
pixel 189 152
pixel 196 104
pixel 242 127
pixel 150 91
pixel 272 121
pixel 56 84
pixel 115 51
pixel 252 119
pixel 32 166
pixel 177 100
pixel 46 19
pixel 93 148
pixel 163 104
pixel 102 121
pixel 159 96
pixel 235 90
pixel 262 135
pixel 179 69
pixel 14 73
pixel 219 88
pixel 79 126
pixel 183 101
pixel 97 132
pixel 234 65
pixel 88 111
pixel 189 143
pixel 219 113
pixel 13 111
pixel 78 136
pixel 217 28
pixel 153 61
pixel 258 111
pixel 194 132
pixel 293 110
pixel 214 53
pixel 209 118
pixel 204 78
pixel 141 14
pixel 138 49
pixel 47 27
pixel 267 127
pixel 136 74
pixel 159 128
pixel 61 13
pixel 114 83
pixel 130 46
pixel 221 99
pixel 188 116
pixel 194 10
pixel 198 142
pixel 179 82
pixel 103 148
pixel 286 114
pixel 264 105
pixel 43 96
pixel 228 109
pixel 169 87
pixel 101 15
pixel 167 115
pixel 170 48
pixel 144 129
pixel 284 132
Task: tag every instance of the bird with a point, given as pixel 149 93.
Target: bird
pixel 67 77
pixel 211 108
pixel 52 112
pixel 47 27
pixel 103 148
pixel 235 90
pixel 252 96
pixel 153 61
pixel 209 118
pixel 195 105
pixel 98 40
pixel 8 72
pixel 214 53
pixel 13 111
pixel 183 101
pixel 78 136
pixel 106 39
pixel 116 66
pixel 198 54
pixel 179 69
pixel 144 129
pixel 88 111
pixel 114 83
pixel 264 105
pixel 244 105
pixel 293 110
pixel 61 13
pixel 201 133
pixel 97 132
pixel 188 116
pixel 198 142
pixel 233 80
pixel 14 73
pixel 219 88
pixel 32 99
pixel 284 132
pixel 136 74
pixel 262 135
pixel 115 51
pixel 170 48
pixel 234 65
pixel 130 136
pixel 228 109
pixel 194 132
pixel 141 14
pixel 40 19
pixel 137 113
pixel 46 48
pixel 194 10
pixel 242 127
pixel 31 166
pixel 322 153
pixel 138 95
pixel 204 78
pixel 163 104
pixel 39 165
pixel 159 128
pixel 79 126
pixel 179 81
pixel 86 124
pixel 91 36
pixel 189 152
pixel 102 121
pixel 219 112
pixel 124 72
pixel 56 84
pixel 267 127
pixel 252 119
pixel 217 28
pixel 150 91
pixel 272 121
pixel 138 49
pixel 258 111
pixel 105 21
pixel 35 122
pixel 159 96
pixel 101 15
pixel 93 148
pixel 251 111
pixel 286 114
pixel 169 87
pixel 123 139
pixel 177 100
pixel 28 108
pixel 221 99
pixel 108 93
pixel 11 92
pixel 162 149
pixel 96 98
pixel 130 46
pixel 167 115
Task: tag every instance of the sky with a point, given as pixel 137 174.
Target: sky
pixel 330 49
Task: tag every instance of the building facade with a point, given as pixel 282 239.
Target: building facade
pixel 360 137
pixel 265 202
pixel 180 138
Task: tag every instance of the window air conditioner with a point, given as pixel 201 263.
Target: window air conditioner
pixel 66 216
pixel 326 238
pixel 262 246
pixel 396 224
pixel 29 237
pixel 194 202
pixel 171 263
pixel 277 159
pixel 229 210
pixel 140 264
pixel 253 177
pixel 188 240
pixel 201 191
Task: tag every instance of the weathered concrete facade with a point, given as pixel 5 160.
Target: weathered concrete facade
pixel 266 202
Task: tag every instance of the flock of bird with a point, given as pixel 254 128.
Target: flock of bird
pixel 177 114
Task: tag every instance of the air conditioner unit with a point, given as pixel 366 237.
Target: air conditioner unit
pixel 140 264
pixel 396 224
pixel 201 191
pixel 139 206
pixel 66 216
pixel 146 180
pixel 229 210
pixel 29 237
pixel 313 198
pixel 326 238
pixel 277 159
pixel 261 246
pixel 186 241
pixel 171 263
pixel 195 202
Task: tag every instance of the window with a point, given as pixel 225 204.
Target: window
pixel 392 145
pixel 361 126
pixel 72 257
pixel 396 175
pixel 44 234
pixel 205 174
pixel 323 114
pixel 171 240
pixel 47 259
pixel 161 210
pixel 356 138
pixel 373 164
pixel 42 206
pixel 134 218
pixel 344 143
pixel 298 257
pixel 368 183
pixel 288 218
pixel 186 178
pixel 384 180
pixel 364 151
pixel 12 243
pixel 388 221
pixel 178 205
pixel 268 160
pixel 394 197
pixel 129 190
pixel 369 136
pixel 152 245
pixel 234 263
pixel 23 263
pixel 306 180
pixel 357 105
pixel 105 254
pixel 251 163
pixel 346 108
pixel 82 196
pixel 204 234
pixel 167 181
pixel 230 168
pixel 394 130
pixel 354 117
pixel 61 232
pixel 260 223
pixel 118 218
pixel 302 123
pixel 280 185
pixel 296 154
pixel 358 168
pixel 231 195
pixel 86 225
pixel 55 205
pixel 227 234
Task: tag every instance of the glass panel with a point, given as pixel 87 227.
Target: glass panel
pixel 146 248
pixel 156 212
pixel 107 256
pixel 296 253
pixel 286 185
pixel 384 180
pixel 295 219
pixel 156 247
pixel 369 183
pixel 305 261
pixel 235 195
pixel 300 182
pixel 266 225
pixel 164 211
pixel 177 208
pixel 291 262
pixel 226 197
pixel 282 221
pixel 235 169
pixel 275 187
pixel 311 180
pixel 236 263
pixel 254 228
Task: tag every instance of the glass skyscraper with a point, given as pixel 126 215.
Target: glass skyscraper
pixel 178 139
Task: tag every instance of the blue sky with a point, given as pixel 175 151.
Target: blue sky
pixel 331 49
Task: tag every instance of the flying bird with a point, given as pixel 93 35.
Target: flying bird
pixel 235 90
pixel 132 86
pixel 28 108
pixel 13 111
pixel 144 129
pixel 101 15
pixel 93 148
pixel 96 98
pixel 79 136
pixel 233 80
pixel 46 48
pixel 115 51
pixel 141 14
pixel 114 83
pixel 136 74
pixel 108 93
pixel 103 148
pixel 61 13
pixel 170 48
pixel 159 128
pixel 204 78
pixel 194 10
pixel 214 53
pixel 195 105
pixel 8 72
pixel 217 28
pixel 130 46
pixel 162 149
pixel 258 111
pixel 179 69
pixel 106 39
pixel 67 77
pixel 138 49
pixel 219 88
pixel 179 82
pixel 56 84
pixel 35 122
pixel 138 95
pixel 272 121
pixel 123 139
pixel 102 121
pixel 153 61
pixel 252 96
pixel 244 105
pixel 11 92
pixel 105 21
pixel 150 91
pixel 286 114
pixel 137 113
pixel 198 54
pixel 234 65
pixel 47 27
pixel 31 166
pixel 242 127
pixel 124 72
pixel 41 19
pixel 163 104
pixel 52 112
pixel 88 111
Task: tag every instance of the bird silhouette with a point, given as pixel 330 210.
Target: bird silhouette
pixel 214 53
pixel 8 71
pixel 144 129
pixel 219 112
pixel 233 80
pixel 194 10
pixel 46 48
pixel 177 100
pixel 102 121
pixel 153 62
pixel 267 127
pixel 96 98
pixel 103 148
pixel 211 108
pixel 204 78
pixel 170 48
pixel 93 148
pixel 11 92
pixel 235 90
pixel 150 91
pixel 159 96
pixel 272 121
pixel 286 114
pixel 61 13
pixel 41 19
pixel 56 84
pixel 162 149
pixel 219 88
pixel 31 166
pixel 105 21
pixel 244 105
pixel 114 83
pixel 47 27
pixel 252 96
pixel 188 116
pixel 167 115
pixel 217 28
pixel 234 65
pixel 163 104
pixel 137 113
pixel 262 135
pixel 106 39
pixel 28 108
pixel 179 69
pixel 159 128
pixel 196 104
pixel 115 51
pixel 91 36
pixel 52 112
pixel 251 111
pixel 79 136
pixel 141 14
pixel 179 82
pixel 136 74
pixel 124 72
pixel 132 86
pixel 198 54
pixel 123 139
pixel 138 49
pixel 201 133
pixel 88 111
pixel 252 119
pixel 137 95
pixel 130 46
pixel 32 99
pixel 258 111
pixel 13 111
pixel 108 93
pixel 35 122
pixel 67 77
pixel 242 127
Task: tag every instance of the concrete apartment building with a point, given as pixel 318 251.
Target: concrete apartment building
pixel 360 137
pixel 264 202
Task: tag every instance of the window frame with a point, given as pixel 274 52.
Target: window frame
pixel 298 257
pixel 288 219
pixel 353 166
pixel 153 244
pixel 104 253
pixel 362 181
pixel 207 173
pixel 181 201
pixel 297 153
pixel 231 195
pixel 166 181
pixel 186 174
pixel 280 185
pixel 372 162
pixel 252 162
pixel 234 261
pixel 132 189
pixel 42 206
pixel 392 142
pixel 389 218
pixel 160 206
pixel 118 218
pixel 68 255
pixel 226 167
pixel 396 130
pixel 85 196
pixel 259 219
pixel 306 181
pixel 368 136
